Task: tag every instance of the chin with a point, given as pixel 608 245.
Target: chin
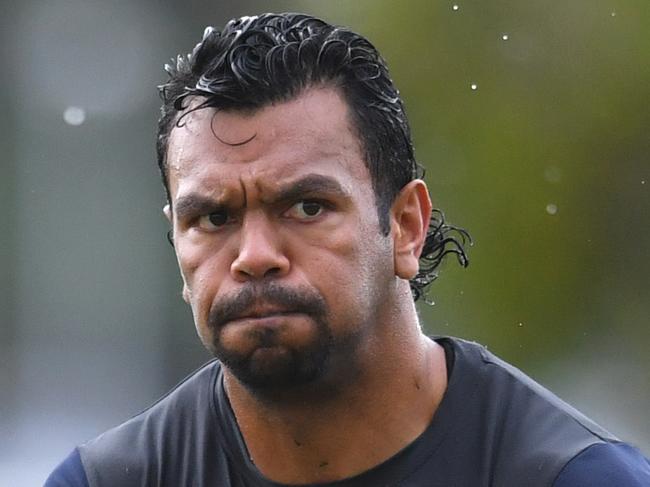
pixel 276 367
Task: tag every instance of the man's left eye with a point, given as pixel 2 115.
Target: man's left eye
pixel 306 209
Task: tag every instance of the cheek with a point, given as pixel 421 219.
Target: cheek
pixel 349 265
pixel 203 272
pixel 188 258
pixel 375 265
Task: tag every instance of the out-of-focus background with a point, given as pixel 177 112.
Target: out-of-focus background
pixel 532 118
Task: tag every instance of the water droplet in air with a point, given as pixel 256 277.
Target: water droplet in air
pixel 74 115
pixel 643 181
pixel 613 14
pixel 474 86
pixel 455 7
pixel 551 209
pixel 505 37
pixel 553 174
pixel 521 324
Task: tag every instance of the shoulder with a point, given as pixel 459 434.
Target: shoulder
pixel 530 433
pixel 133 453
pixel 69 473
pixel 525 398
pixel 193 393
pixel 604 465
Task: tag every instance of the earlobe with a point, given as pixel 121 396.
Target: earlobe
pixel 187 294
pixel 410 214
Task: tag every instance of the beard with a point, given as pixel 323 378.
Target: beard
pixel 271 362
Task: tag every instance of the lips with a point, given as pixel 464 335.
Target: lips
pixel 263 312
pixel 266 301
pixel 262 315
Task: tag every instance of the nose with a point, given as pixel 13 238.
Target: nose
pixel 260 253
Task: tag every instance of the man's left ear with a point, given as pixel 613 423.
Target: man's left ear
pixel 410 216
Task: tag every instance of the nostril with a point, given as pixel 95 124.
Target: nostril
pixel 247 267
pixel 273 272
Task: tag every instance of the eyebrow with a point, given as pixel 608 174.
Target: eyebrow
pixel 309 184
pixel 195 204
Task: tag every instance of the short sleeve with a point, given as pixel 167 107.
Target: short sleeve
pixel 605 465
pixel 69 473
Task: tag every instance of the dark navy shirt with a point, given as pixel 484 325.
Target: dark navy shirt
pixel 494 427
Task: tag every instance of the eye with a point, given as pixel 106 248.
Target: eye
pixel 306 209
pixel 213 220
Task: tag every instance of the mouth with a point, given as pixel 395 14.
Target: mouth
pixel 266 317
pixel 270 304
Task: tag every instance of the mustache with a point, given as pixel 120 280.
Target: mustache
pixel 286 300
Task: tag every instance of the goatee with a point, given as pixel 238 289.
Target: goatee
pixel 270 365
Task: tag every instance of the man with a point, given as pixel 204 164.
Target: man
pixel 303 233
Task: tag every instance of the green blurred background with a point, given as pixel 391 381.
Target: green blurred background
pixel 532 119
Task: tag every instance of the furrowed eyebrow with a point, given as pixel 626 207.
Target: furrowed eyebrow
pixel 194 204
pixel 312 183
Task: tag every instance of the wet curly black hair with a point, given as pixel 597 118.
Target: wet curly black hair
pixel 256 61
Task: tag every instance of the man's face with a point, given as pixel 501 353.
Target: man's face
pixel 277 238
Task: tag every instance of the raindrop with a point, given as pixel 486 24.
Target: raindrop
pixel 521 324
pixel 505 37
pixel 474 86
pixel 551 209
pixel 613 14
pixel 74 116
pixel 643 181
pixel 455 7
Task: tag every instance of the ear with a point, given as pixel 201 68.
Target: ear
pixel 410 216
pixel 167 210
pixel 187 294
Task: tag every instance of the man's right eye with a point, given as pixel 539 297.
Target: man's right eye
pixel 213 220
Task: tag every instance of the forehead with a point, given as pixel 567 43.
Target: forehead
pixel 311 133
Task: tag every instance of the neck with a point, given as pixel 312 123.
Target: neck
pixel 388 404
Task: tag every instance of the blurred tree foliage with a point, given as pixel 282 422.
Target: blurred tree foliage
pixel 545 162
